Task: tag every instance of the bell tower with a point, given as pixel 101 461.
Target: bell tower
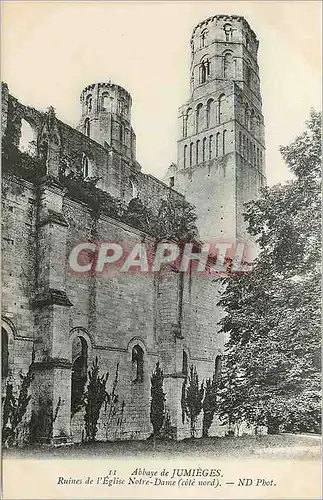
pixel 220 156
pixel 106 117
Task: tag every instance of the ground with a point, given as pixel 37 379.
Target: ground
pixel 289 446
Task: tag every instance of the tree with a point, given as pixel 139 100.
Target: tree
pixel 192 398
pixel 273 312
pixel 15 407
pixel 209 403
pixel 94 398
pixel 157 403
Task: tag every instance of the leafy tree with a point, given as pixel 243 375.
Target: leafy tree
pixel 15 407
pixel 94 398
pixel 157 403
pixel 273 313
pixel 209 402
pixel 192 398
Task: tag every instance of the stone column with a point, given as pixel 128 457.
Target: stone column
pixel 51 391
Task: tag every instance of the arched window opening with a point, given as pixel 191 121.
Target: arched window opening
pixel 185 156
pixel 217 144
pixel 247 117
pixel 204 149
pixel 257 161
pixel 87 127
pixel 248 75
pixel 261 158
pixel 247 146
pixel 137 364
pixel 210 113
pixel 204 70
pixel 224 142
pixel 79 372
pixel 27 143
pixel 105 102
pixel 247 42
pixel 210 147
pixel 252 121
pixel 89 102
pixel 85 166
pixel 220 106
pixel 185 364
pixel 189 123
pixel 133 187
pixel 203 39
pixel 254 155
pixel 218 366
pixel 4 353
pixel 227 65
pixel 199 118
pixel 228 32
pixel 191 154
pixel 240 142
pixel 197 152
pixel 244 145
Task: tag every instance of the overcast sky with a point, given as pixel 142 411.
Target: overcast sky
pixel 51 51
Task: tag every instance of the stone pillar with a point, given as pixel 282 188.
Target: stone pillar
pixel 170 342
pixel 52 366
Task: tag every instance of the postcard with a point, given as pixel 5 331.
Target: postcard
pixel 161 166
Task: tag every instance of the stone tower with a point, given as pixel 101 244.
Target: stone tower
pixel 220 161
pixel 106 117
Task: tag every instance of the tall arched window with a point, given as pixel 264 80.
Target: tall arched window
pixel 121 133
pixel 204 70
pixel 217 144
pixel 185 156
pixel 185 364
pixel 85 166
pixel 191 154
pixel 197 152
pixel 105 101
pixel 79 372
pixel 210 113
pixel 252 120
pixel 137 359
pixel 248 75
pixel 4 353
pixel 228 32
pixel 204 149
pixel 210 146
pixel 240 142
pixel 247 116
pixel 254 155
pixel 244 145
pixel 189 122
pixel 227 65
pixel 203 39
pixel 199 118
pixel 247 146
pixel 220 106
pixel 87 127
pixel 27 142
pixel 224 138
pixel 89 102
pixel 257 160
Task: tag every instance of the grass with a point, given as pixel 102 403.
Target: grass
pixel 279 446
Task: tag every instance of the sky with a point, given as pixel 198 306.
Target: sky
pixel 52 50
